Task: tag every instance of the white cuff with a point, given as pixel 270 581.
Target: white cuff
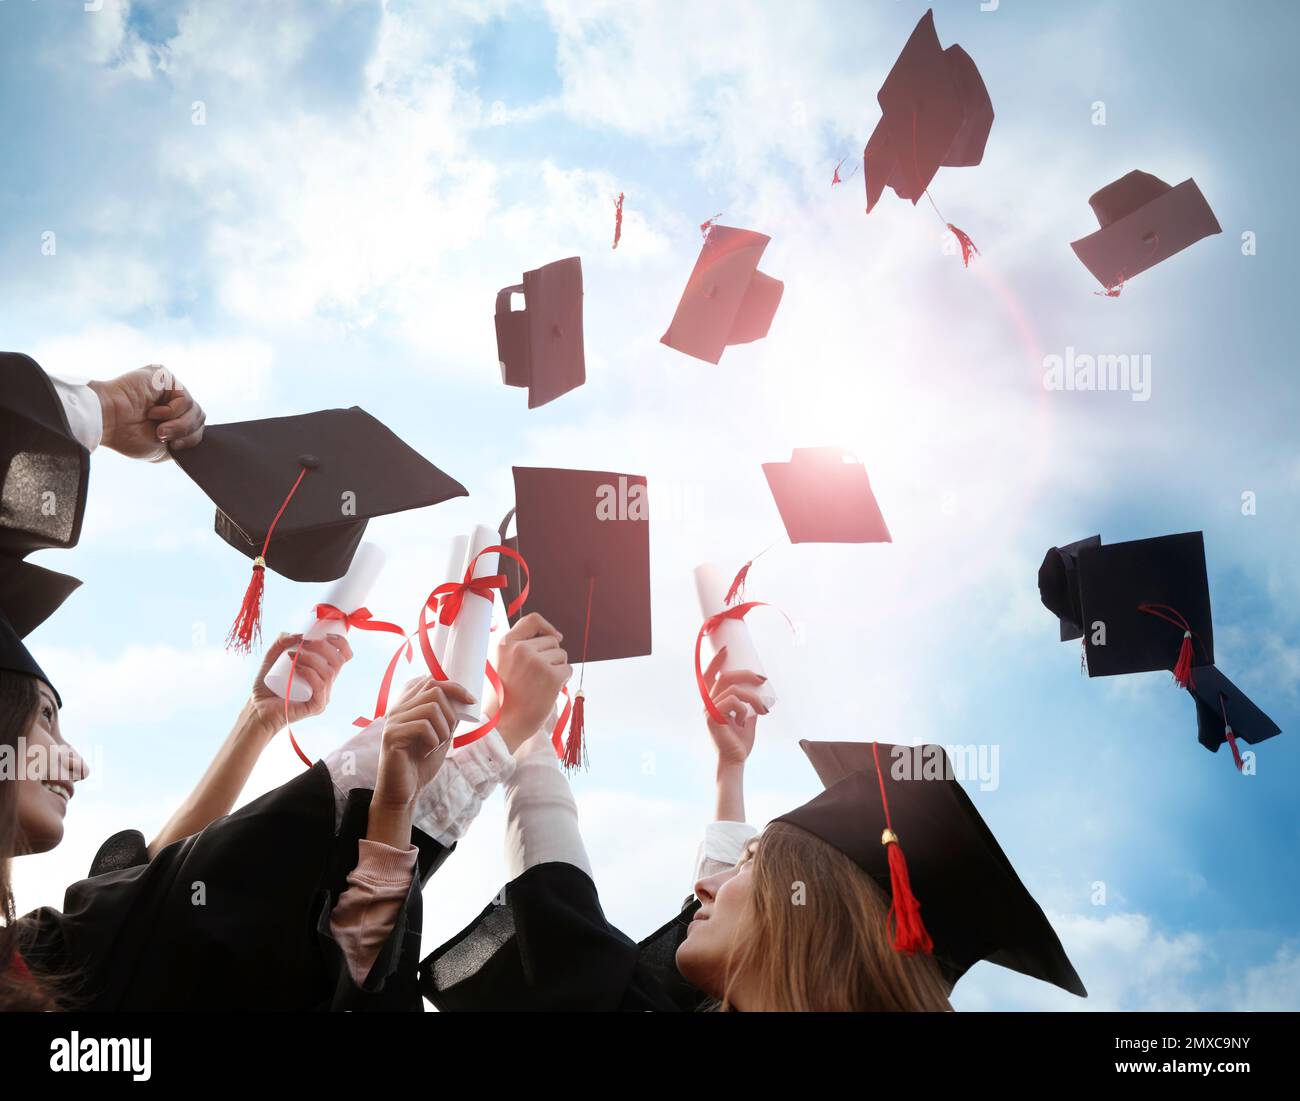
pixel 447 806
pixel 85 414
pixel 723 845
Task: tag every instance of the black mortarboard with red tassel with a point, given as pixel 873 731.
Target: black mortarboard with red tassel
pixel 900 815
pixel 295 493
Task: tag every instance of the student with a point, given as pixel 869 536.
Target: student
pixel 818 913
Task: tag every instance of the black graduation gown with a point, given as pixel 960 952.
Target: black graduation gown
pixel 547 946
pixel 234 917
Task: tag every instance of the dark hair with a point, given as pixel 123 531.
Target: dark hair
pixel 19 700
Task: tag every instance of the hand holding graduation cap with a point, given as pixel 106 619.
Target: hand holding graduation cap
pixel 148 414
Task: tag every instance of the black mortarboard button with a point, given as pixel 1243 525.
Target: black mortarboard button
pixel 1058 585
pixel 295 493
pixel 28 596
pixel 1143 221
pixel 824 496
pixel 972 902
pixel 44 470
pixel 585 535
pixel 1225 713
pixel 727 300
pixel 540 347
pixel 935 111
pixel 1153 598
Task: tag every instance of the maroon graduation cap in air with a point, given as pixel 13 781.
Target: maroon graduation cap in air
pixel 540 347
pixel 935 112
pixel 727 299
pixel 1143 221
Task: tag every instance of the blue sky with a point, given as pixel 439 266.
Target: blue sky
pixel 369 175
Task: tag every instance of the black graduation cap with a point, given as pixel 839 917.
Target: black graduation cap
pixel 935 111
pixel 28 596
pixel 971 902
pixel 1224 713
pixel 1153 597
pixel 540 347
pixel 1058 585
pixel 585 535
pixel 44 470
pixel 295 493
pixel 727 300
pixel 1143 221
pixel 824 496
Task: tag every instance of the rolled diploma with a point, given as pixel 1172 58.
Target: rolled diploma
pixel 347 594
pixel 456 562
pixel 467 643
pixel 711 587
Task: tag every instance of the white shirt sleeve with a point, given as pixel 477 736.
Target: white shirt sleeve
pixel 723 844
pixel 85 414
pixel 449 803
pixel 541 814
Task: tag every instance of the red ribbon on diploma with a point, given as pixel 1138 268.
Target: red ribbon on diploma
pixel 362 620
pixel 736 611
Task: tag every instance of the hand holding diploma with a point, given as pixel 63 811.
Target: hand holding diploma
pixel 731 636
pixel 736 696
pixel 467 641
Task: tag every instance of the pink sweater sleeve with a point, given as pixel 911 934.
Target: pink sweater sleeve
pixel 366 912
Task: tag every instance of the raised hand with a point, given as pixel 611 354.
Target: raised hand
pixel 533 669
pixel 148 414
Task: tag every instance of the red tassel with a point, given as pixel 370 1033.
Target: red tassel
pixel 1111 291
pixel 618 219
pixel 1183 667
pixel 1232 745
pixel 910 935
pixel 968 248
pixel 247 628
pixel 706 226
pixel 575 752
pixel 737 590
pixel 836 178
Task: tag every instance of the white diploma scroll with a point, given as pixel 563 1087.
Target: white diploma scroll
pixel 455 571
pixel 347 594
pixel 711 587
pixel 467 642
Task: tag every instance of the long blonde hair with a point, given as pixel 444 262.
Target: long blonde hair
pixel 818 939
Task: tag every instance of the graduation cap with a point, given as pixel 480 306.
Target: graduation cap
pixel 586 537
pixel 935 111
pixel 727 300
pixel 1058 585
pixel 1152 598
pixel 824 496
pixel 1224 713
pixel 540 347
pixel 44 470
pixel 1143 221
pixel 29 595
pixel 295 493
pixel 955 894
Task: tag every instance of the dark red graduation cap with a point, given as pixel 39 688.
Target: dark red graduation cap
pixel 44 470
pixel 1058 585
pixel 295 493
pixel 1224 713
pixel 935 111
pixel 955 893
pixel 540 347
pixel 586 537
pixel 824 496
pixel 1153 597
pixel 1143 221
pixel 727 299
pixel 29 595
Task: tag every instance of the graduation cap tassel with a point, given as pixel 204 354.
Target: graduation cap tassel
pixel 910 934
pixel 737 590
pixel 1183 666
pixel 618 220
pixel 968 248
pixel 1227 733
pixel 247 628
pixel 575 749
